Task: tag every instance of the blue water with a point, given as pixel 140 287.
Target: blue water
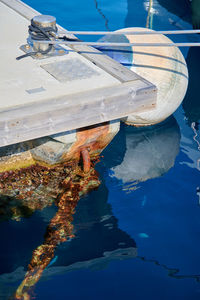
pixel 148 203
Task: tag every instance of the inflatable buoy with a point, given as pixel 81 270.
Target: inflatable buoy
pixel 165 67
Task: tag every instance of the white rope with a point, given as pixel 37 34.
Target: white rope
pixel 122 44
pixel 189 31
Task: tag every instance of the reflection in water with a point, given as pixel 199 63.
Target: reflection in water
pixel 97 236
pixel 59 229
pixel 101 13
pixel 174 12
pixel 150 152
pixel 172 272
pixel 191 103
pixel 149 22
pixel 28 190
pixel 181 8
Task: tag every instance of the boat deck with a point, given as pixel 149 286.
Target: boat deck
pixel 41 97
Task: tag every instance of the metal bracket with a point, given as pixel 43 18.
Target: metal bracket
pixel 56 51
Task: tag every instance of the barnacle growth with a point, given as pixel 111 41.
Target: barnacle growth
pixel 52 160
pixel 58 149
pixel 59 229
pixel 36 187
pixel 49 171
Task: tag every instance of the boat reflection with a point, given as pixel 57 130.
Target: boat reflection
pixel 150 152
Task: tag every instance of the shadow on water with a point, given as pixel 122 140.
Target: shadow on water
pixel 97 234
pixel 185 10
pixel 180 8
pixel 191 103
pixel 124 55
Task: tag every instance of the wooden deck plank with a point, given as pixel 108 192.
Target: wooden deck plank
pixel 117 91
pixel 106 63
pixel 98 58
pixel 58 115
pixel 21 8
pixel 32 80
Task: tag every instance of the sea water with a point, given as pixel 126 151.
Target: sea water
pixel 138 235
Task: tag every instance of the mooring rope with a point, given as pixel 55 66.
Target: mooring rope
pixel 38 33
pixel 122 44
pixel 78 32
pixel 45 36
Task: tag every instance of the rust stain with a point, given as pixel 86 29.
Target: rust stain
pixel 86 160
pixel 39 185
pixel 36 186
pixel 93 138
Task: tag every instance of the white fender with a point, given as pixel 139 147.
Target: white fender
pixel 165 67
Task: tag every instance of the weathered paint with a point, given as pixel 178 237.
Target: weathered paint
pixel 58 149
pixel 94 138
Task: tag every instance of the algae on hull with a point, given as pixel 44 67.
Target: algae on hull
pixel 57 149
